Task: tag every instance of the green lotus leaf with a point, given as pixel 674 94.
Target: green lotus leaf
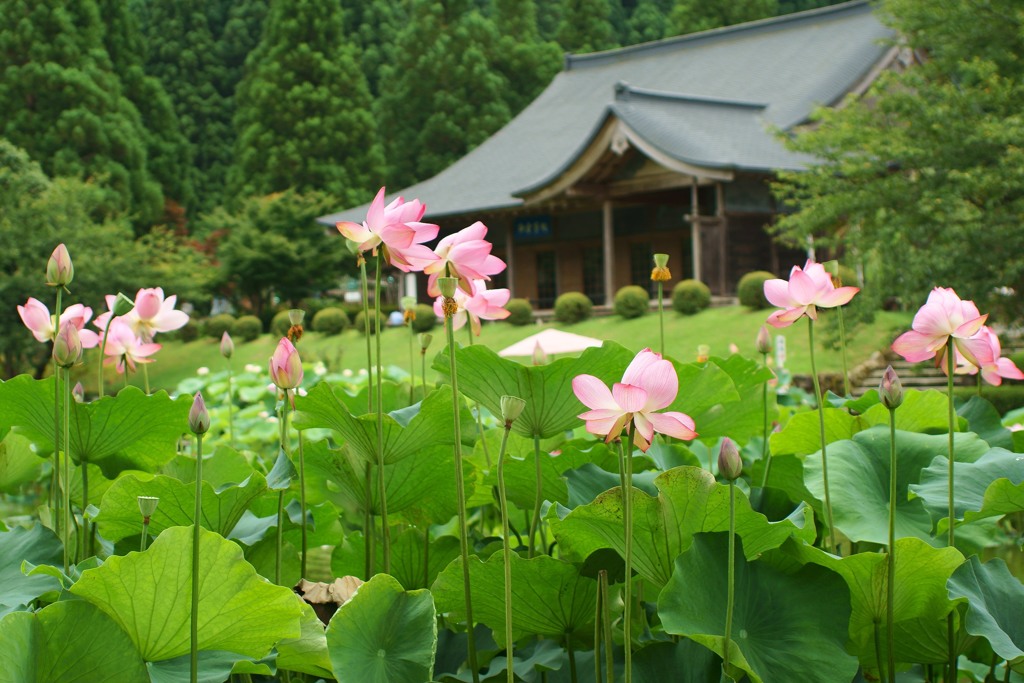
pixel 859 481
pixel 308 653
pixel 549 596
pixel 407 551
pixel 214 666
pixel 689 501
pixel 802 433
pixel 225 466
pixel 393 397
pixel 421 487
pixel 37 546
pixel 994 598
pixel 521 471
pixel 405 431
pixel 128 431
pixel 119 517
pixel 384 635
pixel 19 464
pixel 683 662
pixel 984 420
pixel 739 413
pixel 149 595
pixel 925 412
pixel 800 637
pixel 991 486
pixel 920 606
pixel 551 407
pixel 70 641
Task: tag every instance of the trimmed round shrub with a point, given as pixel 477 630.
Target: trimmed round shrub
pixel 330 320
pixel 750 289
pixel 219 324
pixel 425 320
pixel 359 324
pixel 631 301
pixel 247 328
pixel 520 312
pixel 690 296
pixel 280 324
pixel 573 307
pixel 190 332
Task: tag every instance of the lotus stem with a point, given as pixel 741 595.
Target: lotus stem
pixel 423 368
pixel 381 491
pixel 732 578
pixel 479 415
pixel 764 446
pixel 103 352
pixel 145 377
pixel 412 364
pixel 507 549
pixel 661 315
pixel 196 519
pixel 891 555
pixel 86 526
pixel 279 541
pixel 368 531
pixel 609 654
pixel 598 631
pixel 231 407
pixel 366 330
pixel 573 676
pixel 821 425
pixel 538 494
pixel 842 352
pixel 627 518
pixel 302 504
pixel 950 368
pixel 461 496
pixel 55 475
pixel 67 468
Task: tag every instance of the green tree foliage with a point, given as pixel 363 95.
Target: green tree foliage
pixel 649 21
pixel 64 103
pixel 272 247
pixel 586 26
pixel 527 62
pixel 689 16
pixel 35 215
pixel 442 97
pixel 303 115
pixel 923 179
pixel 373 24
pixel 182 52
pixel 169 154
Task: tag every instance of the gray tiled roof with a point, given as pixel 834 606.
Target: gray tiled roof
pixel 709 99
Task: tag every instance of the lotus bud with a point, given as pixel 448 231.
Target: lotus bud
pixel 147 506
pixel 764 341
pixel 425 340
pixel 198 416
pixel 539 357
pixel 67 347
pixel 661 273
pixel 59 269
pixel 227 347
pixel 447 286
pixel 703 353
pixel 890 389
pixel 730 465
pixel 78 392
pixel 123 305
pixel 285 366
pixel 733 349
pixel 511 408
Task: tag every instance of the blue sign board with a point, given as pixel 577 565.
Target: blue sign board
pixel 532 228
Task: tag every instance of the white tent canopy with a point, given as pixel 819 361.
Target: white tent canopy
pixel 550 341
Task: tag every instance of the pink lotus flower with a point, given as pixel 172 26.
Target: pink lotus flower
pixel 808 290
pixel 465 255
pixel 67 346
pixel 285 365
pixel 151 314
pixel 992 371
pixel 37 318
pixel 942 317
pixel 123 346
pixel 483 304
pixel 649 384
pixel 398 228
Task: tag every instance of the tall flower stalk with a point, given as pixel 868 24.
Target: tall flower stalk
pixel 147 506
pixel 661 274
pixel 286 374
pixel 511 408
pixel 227 349
pixel 366 329
pixel 730 466
pixel 648 385
pixel 808 289
pixel 447 287
pixel 764 347
pixel 425 341
pixel 385 529
pixel 67 351
pixel 199 424
pixel 890 391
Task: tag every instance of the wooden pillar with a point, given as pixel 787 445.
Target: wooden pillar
pixel 723 241
pixel 510 259
pixel 608 241
pixel 695 232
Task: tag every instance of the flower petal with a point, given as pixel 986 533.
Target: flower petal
pixel 677 425
pixel 803 288
pixel 629 397
pixel 593 393
pixel 637 366
pixel 660 382
pixel 777 293
pixel 914 346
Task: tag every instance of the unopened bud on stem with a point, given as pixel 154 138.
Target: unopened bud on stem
pixel 890 389
pixel 59 269
pixel 764 341
pixel 730 465
pixel 67 346
pixel 198 416
pixel 227 346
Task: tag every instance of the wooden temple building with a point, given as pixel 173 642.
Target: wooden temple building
pixel 667 146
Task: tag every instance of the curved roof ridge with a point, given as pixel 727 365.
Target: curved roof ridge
pixel 597 58
pixel 624 90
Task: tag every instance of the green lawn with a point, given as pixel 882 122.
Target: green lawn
pixel 716 327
